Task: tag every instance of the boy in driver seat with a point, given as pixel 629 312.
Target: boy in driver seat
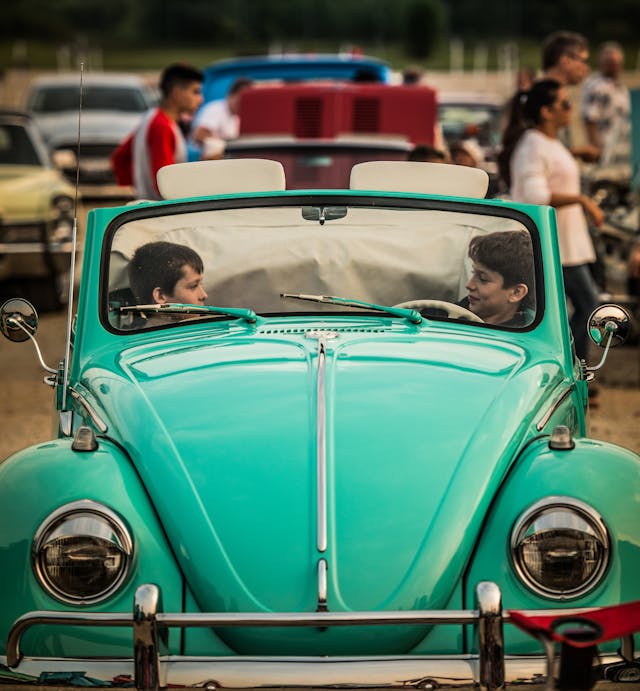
pixel 501 286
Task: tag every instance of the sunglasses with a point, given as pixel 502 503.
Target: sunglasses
pixel 580 58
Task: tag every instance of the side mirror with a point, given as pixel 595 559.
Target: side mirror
pixel 18 320
pixel 609 326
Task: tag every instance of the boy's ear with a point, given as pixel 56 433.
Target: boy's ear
pixel 158 296
pixel 518 292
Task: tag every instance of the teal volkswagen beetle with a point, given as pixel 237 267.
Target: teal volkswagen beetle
pixel 317 438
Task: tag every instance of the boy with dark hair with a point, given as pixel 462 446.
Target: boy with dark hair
pixel 164 272
pixel 501 287
pixel 159 141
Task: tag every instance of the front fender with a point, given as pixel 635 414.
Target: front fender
pixel 605 476
pixel 38 480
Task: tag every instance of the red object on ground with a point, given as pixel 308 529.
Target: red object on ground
pixel 604 623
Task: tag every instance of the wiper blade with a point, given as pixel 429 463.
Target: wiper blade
pixel 412 315
pixel 180 308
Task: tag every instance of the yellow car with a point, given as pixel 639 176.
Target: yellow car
pixel 36 213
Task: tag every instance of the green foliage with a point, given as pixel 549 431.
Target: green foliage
pixel 399 31
pixel 423 27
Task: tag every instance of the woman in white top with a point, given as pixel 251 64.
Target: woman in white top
pixel 539 169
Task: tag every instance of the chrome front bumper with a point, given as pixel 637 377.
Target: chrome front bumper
pixel 151 668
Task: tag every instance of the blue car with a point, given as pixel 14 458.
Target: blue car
pixel 219 76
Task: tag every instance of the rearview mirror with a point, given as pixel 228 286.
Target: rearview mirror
pixel 323 213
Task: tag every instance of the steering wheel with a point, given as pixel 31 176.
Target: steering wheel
pixel 453 311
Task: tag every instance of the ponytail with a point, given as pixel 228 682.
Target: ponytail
pixel 524 112
pixel 515 128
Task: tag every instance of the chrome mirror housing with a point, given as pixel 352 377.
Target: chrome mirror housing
pixel 609 325
pixel 18 320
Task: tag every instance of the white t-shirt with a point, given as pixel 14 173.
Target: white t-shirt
pixel 540 166
pixel 217 117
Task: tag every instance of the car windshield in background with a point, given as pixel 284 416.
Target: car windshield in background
pixel 61 98
pixel 460 121
pixel 247 258
pixel 16 148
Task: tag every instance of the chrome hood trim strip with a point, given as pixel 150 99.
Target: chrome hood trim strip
pixel 542 423
pixel 322 585
pixel 321 436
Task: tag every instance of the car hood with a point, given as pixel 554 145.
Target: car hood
pixel 25 191
pixel 97 126
pixel 419 434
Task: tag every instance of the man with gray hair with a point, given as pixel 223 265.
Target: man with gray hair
pixel 606 106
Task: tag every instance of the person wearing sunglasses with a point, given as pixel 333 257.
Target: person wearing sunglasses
pixel 539 169
pixel 565 57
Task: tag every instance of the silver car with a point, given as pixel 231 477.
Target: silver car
pixel 112 106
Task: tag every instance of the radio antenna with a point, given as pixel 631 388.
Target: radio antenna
pixel 72 267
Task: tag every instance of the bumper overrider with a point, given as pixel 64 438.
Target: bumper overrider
pixel 151 668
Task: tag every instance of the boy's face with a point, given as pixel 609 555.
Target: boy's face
pixel 489 299
pixel 187 97
pixel 187 290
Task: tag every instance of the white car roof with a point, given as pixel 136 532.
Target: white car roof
pixel 92 78
pixel 470 98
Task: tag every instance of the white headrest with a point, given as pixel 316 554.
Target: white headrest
pixel 416 176
pixel 225 176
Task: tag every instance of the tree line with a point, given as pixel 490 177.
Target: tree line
pixel 416 24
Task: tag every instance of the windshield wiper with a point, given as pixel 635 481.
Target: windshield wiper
pixel 412 315
pixel 179 308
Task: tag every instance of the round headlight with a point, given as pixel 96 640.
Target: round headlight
pixel 63 205
pixel 82 553
pixel 560 548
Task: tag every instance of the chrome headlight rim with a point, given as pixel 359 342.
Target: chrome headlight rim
pixel 54 521
pixel 584 511
pixel 63 204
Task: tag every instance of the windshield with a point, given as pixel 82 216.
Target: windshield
pixel 16 147
pixel 53 99
pixel 460 121
pixel 321 258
